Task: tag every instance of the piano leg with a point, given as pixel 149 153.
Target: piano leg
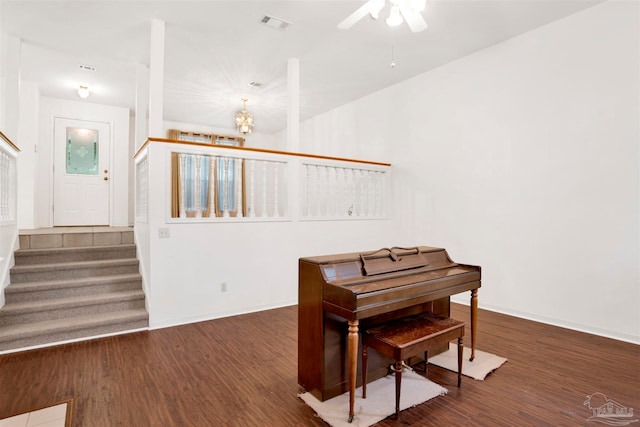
pixel 474 322
pixel 352 349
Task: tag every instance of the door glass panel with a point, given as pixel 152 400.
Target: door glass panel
pixel 82 151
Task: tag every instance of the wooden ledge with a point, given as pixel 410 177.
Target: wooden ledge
pixel 4 137
pixel 257 150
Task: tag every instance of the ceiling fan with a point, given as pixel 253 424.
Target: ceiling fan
pixel 407 9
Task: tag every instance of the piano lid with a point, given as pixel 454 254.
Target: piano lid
pixel 355 267
pixel 392 260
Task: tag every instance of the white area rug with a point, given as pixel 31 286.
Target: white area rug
pixel 380 401
pixel 483 364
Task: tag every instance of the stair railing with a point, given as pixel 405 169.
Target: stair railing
pixel 8 180
pixel 8 209
pixel 221 183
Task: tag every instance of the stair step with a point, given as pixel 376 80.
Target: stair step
pixel 70 284
pixel 67 237
pixel 61 255
pixel 72 270
pixel 54 309
pixel 48 332
pixel 42 290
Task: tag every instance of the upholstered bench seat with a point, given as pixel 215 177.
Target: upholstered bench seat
pixel 407 337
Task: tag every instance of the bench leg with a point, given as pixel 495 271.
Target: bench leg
pixel 365 358
pixel 459 360
pixel 474 322
pixel 398 369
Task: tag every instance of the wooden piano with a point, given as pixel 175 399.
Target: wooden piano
pixel 338 294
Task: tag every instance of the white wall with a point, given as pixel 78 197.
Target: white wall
pixel 28 157
pixel 522 158
pixel 10 57
pixel 131 169
pixel 120 158
pixel 3 98
pixel 257 260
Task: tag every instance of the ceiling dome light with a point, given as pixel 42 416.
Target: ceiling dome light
pixel 394 18
pixel 83 92
pixel 244 120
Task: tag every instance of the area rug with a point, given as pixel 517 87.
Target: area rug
pixel 483 364
pixel 380 401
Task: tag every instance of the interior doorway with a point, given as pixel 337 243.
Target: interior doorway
pixel 81 181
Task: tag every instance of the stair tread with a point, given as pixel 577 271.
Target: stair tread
pixel 57 303
pixel 82 322
pixel 50 303
pixel 63 283
pixel 72 265
pixel 44 251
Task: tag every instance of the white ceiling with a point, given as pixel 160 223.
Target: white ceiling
pixel 213 49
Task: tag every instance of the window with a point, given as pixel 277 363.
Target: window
pixel 192 176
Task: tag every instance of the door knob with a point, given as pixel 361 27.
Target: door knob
pixel 106 171
pixel 106 178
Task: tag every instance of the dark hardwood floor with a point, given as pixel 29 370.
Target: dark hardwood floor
pixel 242 371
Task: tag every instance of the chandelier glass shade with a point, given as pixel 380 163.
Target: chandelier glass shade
pixel 244 120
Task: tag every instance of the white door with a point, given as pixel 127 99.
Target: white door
pixel 81 177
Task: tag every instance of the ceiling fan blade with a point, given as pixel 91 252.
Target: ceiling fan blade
pixel 414 19
pixel 355 17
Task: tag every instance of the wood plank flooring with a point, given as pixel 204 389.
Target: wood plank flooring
pixel 242 371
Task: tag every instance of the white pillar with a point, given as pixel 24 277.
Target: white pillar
pixel 293 104
pixel 11 57
pixel 156 79
pixel 142 106
pixel 293 137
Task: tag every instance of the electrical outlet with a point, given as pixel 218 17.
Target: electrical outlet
pixel 163 233
pixel 223 287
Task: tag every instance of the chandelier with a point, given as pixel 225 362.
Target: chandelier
pixel 244 120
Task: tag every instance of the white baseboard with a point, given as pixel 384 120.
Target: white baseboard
pixel 218 315
pixel 557 322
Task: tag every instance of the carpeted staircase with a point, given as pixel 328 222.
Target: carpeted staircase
pixel 72 284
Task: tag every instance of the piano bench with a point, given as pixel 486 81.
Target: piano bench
pixel 407 337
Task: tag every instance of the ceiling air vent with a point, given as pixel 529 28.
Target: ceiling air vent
pixel 87 67
pixel 254 83
pixel 273 22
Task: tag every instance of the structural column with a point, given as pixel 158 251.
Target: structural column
pixel 156 79
pixel 293 132
pixel 142 106
pixel 293 105
pixel 11 56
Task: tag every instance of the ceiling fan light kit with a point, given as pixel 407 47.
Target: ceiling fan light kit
pixel 408 11
pixel 375 6
pixel 394 18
